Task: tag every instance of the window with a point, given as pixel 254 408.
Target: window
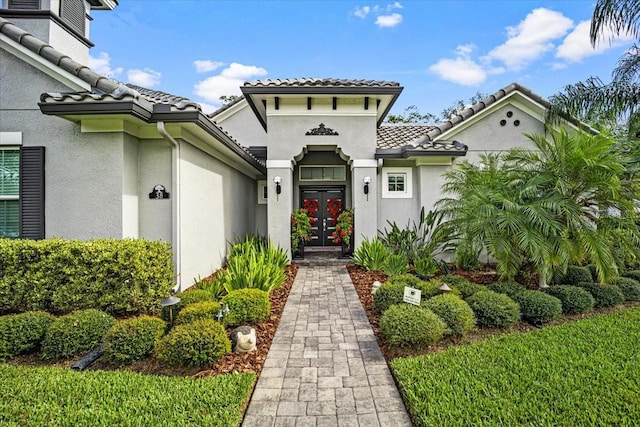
pixel 322 173
pixel 24 4
pixel 262 192
pixel 9 192
pixel 397 183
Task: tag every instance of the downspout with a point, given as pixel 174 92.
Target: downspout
pixel 175 200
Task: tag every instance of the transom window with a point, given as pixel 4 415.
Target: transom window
pixel 9 192
pixel 322 173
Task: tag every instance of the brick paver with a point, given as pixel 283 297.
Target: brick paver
pixel 324 367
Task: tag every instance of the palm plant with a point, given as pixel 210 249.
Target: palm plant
pixel 618 101
pixel 542 209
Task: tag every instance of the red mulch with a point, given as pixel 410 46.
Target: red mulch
pixel 363 281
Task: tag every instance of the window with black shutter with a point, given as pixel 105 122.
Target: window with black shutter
pixel 9 192
pixel 73 13
pixel 31 200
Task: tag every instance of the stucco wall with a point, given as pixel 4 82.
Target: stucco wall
pixel 217 206
pixel 398 210
pixel 84 178
pixel 243 126
pixel 155 169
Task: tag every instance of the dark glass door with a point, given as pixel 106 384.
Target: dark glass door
pixel 323 205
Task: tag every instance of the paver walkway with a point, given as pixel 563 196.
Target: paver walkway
pixel 324 367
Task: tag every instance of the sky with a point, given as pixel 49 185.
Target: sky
pixel 439 51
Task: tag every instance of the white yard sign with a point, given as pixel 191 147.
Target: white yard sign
pixel 412 295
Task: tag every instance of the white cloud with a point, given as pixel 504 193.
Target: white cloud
pixel 387 21
pixel 362 12
pixel 461 70
pixel 102 65
pixel 577 45
pixel 530 39
pixel 146 78
pixel 208 108
pixel 228 82
pixel 392 6
pixel 204 66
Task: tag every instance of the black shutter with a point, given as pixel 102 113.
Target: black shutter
pixel 32 192
pixel 24 4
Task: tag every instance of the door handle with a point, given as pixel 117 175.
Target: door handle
pixel 324 224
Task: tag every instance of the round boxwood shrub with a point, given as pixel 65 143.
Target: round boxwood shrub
pixel 246 306
pixel 494 310
pixel 133 339
pixel 574 276
pixel 538 307
pixel 202 342
pixel 465 287
pixel 198 310
pixel 22 333
pixel 75 333
pixel 455 312
pixel 388 294
pixel 187 297
pixel 409 325
pixel 574 298
pixel 605 296
pixel 632 274
pixel 630 288
pixel 594 273
pixel 510 289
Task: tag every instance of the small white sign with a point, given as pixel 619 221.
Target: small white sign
pixel 412 295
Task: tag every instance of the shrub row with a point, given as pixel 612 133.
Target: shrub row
pixel 22 333
pixel 120 277
pixel 75 333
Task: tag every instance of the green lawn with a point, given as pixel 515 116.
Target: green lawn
pixel 585 373
pixel 60 397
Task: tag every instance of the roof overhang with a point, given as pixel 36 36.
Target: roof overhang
pixel 137 114
pixel 383 97
pixel 103 4
pixel 436 149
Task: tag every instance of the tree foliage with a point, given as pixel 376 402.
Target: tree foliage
pixel 562 202
pixel 412 114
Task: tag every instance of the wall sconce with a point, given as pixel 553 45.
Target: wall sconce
pixel 277 180
pixel 367 181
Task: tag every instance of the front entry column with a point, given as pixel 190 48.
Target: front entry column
pixel 280 206
pixel 365 206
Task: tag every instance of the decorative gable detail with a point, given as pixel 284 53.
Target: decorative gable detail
pixel 321 130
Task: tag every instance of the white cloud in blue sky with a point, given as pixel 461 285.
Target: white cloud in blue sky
pixel 228 82
pixel 102 65
pixel 385 15
pixel 205 65
pixel 386 21
pixel 577 45
pixel 146 77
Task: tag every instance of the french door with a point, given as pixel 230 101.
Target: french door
pixel 323 204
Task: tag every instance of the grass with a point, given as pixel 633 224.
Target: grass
pixel 583 373
pixel 59 397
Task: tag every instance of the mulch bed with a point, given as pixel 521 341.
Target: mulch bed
pixel 363 281
pixel 232 362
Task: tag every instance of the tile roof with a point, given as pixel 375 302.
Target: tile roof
pixel 158 97
pixel 467 113
pixel 63 61
pixel 399 135
pixel 315 82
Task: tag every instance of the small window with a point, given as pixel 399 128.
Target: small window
pixel 24 4
pixel 322 173
pixel 9 192
pixel 397 183
pixel 262 192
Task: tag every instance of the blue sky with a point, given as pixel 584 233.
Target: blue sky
pixel 440 51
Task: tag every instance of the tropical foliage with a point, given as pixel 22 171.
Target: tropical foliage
pixel 539 210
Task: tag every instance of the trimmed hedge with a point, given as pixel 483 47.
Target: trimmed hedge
pixel 22 333
pixel 187 297
pixel 454 311
pixel 574 298
pixel 538 307
pixel 409 325
pixel 494 310
pixel 75 333
pixel 246 306
pixel 198 310
pixel 202 342
pixel 605 296
pixel 574 276
pixel 120 277
pixel 465 287
pixel 510 289
pixel 632 274
pixel 392 291
pixel 630 288
pixel 133 339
